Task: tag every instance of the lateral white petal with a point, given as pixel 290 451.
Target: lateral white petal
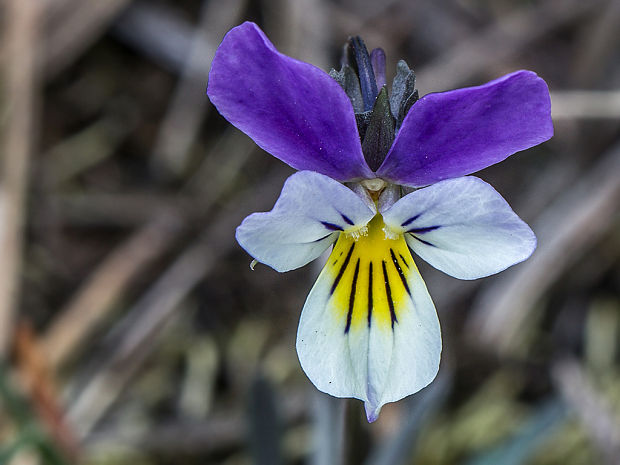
pixel 306 219
pixel 462 227
pixel 369 329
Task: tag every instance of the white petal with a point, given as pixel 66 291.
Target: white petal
pixel 307 218
pixel 462 227
pixel 390 195
pixel 369 329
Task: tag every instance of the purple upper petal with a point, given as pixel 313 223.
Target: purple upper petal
pixel 291 109
pixel 451 134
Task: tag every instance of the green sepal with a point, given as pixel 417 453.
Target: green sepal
pixel 348 80
pixel 362 120
pixel 380 132
pixel 404 94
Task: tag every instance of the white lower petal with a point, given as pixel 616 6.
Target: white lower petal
pixel 369 329
pixel 307 218
pixel 462 227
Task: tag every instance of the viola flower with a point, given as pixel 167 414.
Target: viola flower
pixel 381 177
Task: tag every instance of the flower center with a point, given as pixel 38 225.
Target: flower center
pixel 369 277
pixel 374 185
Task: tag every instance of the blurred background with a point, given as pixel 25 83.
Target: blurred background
pixel 132 330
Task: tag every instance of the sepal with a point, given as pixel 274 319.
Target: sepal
pixel 404 93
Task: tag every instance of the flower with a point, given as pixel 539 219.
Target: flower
pixel 368 328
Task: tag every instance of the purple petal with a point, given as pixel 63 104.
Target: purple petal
pixel 455 133
pixel 291 109
pixel 377 58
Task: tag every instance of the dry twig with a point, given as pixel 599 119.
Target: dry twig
pixel 157 32
pixel 21 99
pixel 585 104
pixel 37 382
pixel 185 113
